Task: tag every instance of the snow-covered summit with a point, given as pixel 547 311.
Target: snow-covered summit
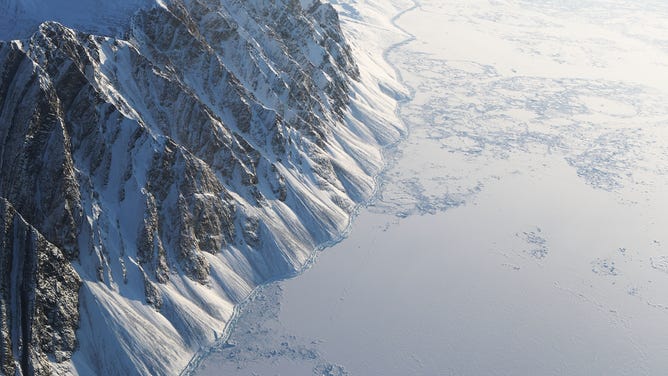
pixel 20 18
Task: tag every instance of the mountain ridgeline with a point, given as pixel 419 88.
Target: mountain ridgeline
pixel 149 181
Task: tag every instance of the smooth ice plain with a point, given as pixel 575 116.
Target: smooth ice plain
pixel 522 226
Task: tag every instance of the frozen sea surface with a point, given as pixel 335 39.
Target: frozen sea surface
pixel 521 229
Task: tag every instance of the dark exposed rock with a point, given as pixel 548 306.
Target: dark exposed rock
pixel 38 298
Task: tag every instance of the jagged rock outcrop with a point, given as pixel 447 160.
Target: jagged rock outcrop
pixel 38 298
pixel 205 152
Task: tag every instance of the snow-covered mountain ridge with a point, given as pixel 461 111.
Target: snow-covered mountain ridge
pixel 148 183
pixel 20 18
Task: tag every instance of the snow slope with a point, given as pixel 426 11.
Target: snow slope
pixel 207 151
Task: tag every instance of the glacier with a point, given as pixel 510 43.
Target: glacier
pixel 161 160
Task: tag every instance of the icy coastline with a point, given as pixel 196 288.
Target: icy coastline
pixel 205 149
pixel 377 95
pixel 521 227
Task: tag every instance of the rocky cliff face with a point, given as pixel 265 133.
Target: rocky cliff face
pixel 148 183
pixel 39 298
